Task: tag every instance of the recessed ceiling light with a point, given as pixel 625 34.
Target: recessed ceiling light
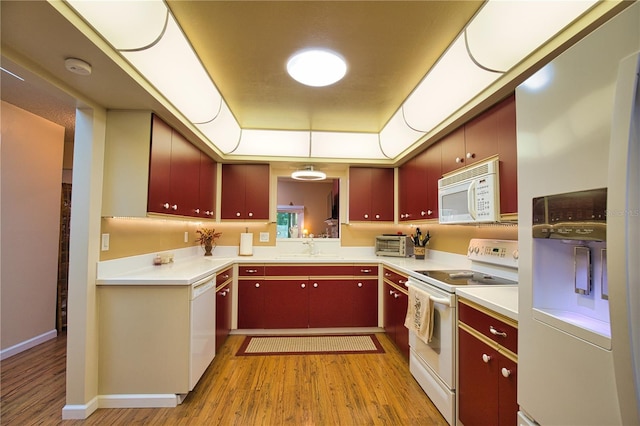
pixel 316 67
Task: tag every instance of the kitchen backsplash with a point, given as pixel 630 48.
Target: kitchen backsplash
pixel 136 236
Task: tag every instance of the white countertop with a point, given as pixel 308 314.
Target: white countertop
pixel 190 266
pixel 501 299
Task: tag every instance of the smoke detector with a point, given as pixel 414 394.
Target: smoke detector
pixel 77 66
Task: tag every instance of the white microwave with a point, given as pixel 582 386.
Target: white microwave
pixel 471 195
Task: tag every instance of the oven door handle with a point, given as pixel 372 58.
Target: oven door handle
pixel 441 300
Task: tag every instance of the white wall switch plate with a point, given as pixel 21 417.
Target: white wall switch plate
pixel 186 236
pixel 105 242
pixel 264 237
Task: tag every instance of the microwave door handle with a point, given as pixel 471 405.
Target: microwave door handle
pixel 471 199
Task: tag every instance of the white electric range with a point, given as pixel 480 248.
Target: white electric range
pixel 493 263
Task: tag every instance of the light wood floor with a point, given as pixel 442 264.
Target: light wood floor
pixel 368 389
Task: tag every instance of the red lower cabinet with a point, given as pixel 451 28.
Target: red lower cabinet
pixel 487 379
pixel 224 281
pixel 280 296
pixel 286 304
pixel 343 303
pixel 395 309
pixel 251 303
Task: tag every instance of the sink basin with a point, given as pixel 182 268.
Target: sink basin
pixel 308 256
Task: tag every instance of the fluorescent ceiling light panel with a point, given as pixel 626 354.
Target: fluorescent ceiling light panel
pixel 345 145
pixel 273 143
pixel 505 32
pixel 224 131
pixel 450 84
pixel 124 24
pixel 316 67
pixel 397 135
pixel 175 70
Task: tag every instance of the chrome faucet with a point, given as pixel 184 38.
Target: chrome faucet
pixel 312 246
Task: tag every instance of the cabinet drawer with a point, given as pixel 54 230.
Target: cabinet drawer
pixel 224 276
pixel 250 270
pixel 365 270
pixel 330 270
pixel 498 330
pixel 395 277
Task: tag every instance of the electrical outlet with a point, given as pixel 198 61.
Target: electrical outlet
pixel 186 236
pixel 105 242
pixel 264 237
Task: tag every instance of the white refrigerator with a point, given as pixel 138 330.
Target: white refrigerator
pixel 579 232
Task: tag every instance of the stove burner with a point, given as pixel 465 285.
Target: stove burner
pixel 459 278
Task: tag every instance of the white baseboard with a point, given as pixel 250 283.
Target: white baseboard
pixel 80 411
pixel 27 344
pixel 138 401
pixel 83 411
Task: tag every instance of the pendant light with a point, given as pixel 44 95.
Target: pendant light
pixel 308 173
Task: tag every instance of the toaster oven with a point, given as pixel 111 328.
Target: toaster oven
pixel 394 245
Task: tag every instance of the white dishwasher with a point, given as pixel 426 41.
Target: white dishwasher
pixel 203 328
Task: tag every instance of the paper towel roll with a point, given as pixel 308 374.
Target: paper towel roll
pixel 246 244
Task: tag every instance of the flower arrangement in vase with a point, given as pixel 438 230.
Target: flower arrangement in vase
pixel 207 239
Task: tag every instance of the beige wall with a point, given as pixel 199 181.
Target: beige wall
pixel 31 173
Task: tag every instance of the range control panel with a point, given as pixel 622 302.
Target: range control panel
pixel 495 252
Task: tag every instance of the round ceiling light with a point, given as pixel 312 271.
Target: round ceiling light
pixel 316 67
pixel 308 173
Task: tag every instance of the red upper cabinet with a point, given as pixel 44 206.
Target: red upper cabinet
pixel 206 199
pixel 159 167
pixel 453 150
pixel 494 133
pixel 418 185
pixel 185 175
pixel 245 191
pixel 371 193
pixel 174 172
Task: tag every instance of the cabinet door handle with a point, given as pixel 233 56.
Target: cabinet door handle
pixel 366 216
pixel 386 274
pixel 257 285
pixel 391 292
pixel 496 332
pixel 486 358
pixel 197 211
pixel 377 216
pixel 459 160
pixel 505 372
pixel 251 271
pixel 237 214
pixel 471 155
pixel 303 285
pixel 365 271
pixel 174 207
pixel 165 205
pixel 359 284
pixel 401 281
pixel 250 214
pixel 315 285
